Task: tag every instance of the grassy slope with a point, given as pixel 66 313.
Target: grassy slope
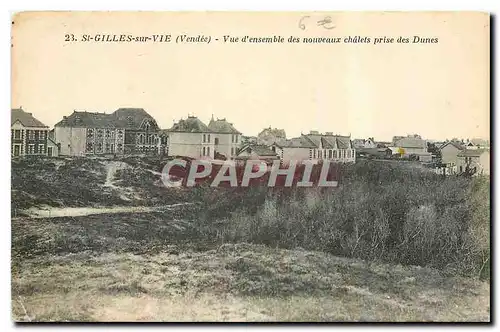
pixel 238 283
pixel 154 266
pixel 81 182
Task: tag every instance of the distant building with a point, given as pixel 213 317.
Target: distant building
pixel 28 135
pixel 449 153
pixel 361 143
pixel 256 152
pixel 316 146
pixel 477 143
pixel 376 153
pixel 477 160
pixel 269 136
pixel 248 140
pixel 411 145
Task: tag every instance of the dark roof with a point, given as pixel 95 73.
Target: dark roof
pixel 190 125
pixel 25 118
pixel 314 141
pixel 330 141
pixel 88 119
pixel 222 126
pixel 260 150
pixel 131 118
pixel 471 152
pixel 297 142
pixel 455 144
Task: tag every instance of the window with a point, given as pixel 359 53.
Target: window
pixel 31 134
pixel 31 148
pixel 42 135
pixel 310 153
pixel 139 139
pixel 108 133
pixel 99 133
pixel 90 133
pixel 98 148
pixel 314 153
pixel 334 153
pixel 236 138
pixel 41 148
pixel 204 149
pixel 208 151
pixel 232 151
pixel 208 138
pixel 90 147
pixel 120 134
pixel 216 141
pixel 324 154
pixel 330 154
pixel 204 140
pixel 232 138
pixel 17 134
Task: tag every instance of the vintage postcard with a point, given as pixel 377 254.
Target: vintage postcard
pixel 250 167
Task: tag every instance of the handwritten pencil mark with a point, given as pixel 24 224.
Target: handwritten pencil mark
pixel 301 24
pixel 326 22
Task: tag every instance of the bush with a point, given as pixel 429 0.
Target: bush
pixel 381 211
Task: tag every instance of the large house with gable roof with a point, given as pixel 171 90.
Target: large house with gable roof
pixel 28 135
pixel 189 138
pixel 227 140
pixel 192 138
pixel 125 131
pixel 316 146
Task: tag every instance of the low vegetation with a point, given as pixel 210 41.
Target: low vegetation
pixel 380 212
pixel 392 242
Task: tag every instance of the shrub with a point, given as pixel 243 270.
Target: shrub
pixel 381 211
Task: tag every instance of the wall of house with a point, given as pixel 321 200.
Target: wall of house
pixel 412 150
pixel 105 141
pixel 229 144
pixel 71 139
pixel 19 140
pixel 299 154
pixel 482 163
pixel 190 144
pixel 449 154
pixel 141 141
pixel 54 147
pixel 31 140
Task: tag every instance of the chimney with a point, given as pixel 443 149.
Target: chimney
pixel 329 133
pixel 313 132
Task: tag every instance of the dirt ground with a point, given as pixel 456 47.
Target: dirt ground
pixel 238 283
